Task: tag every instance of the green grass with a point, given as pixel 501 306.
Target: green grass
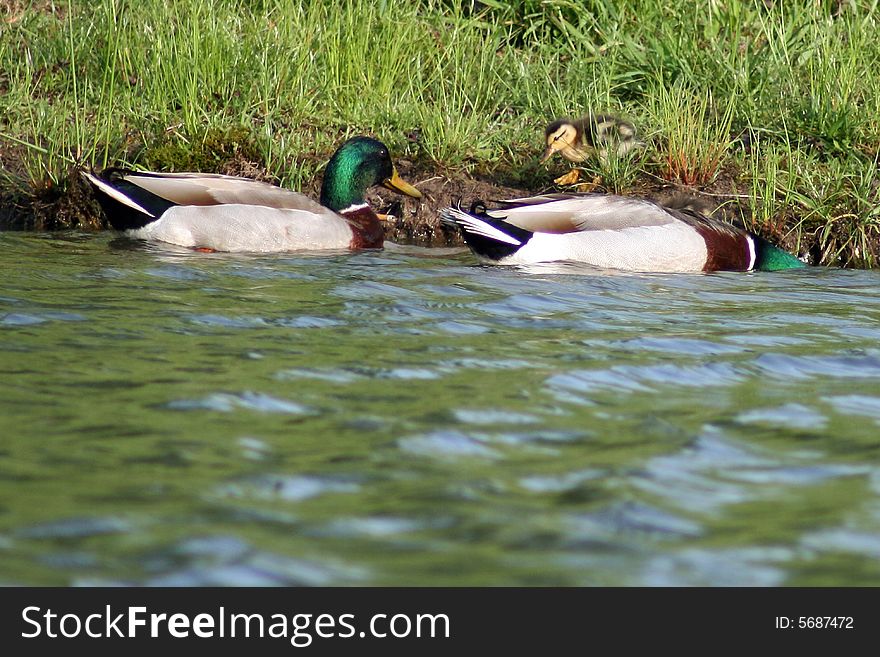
pixel 696 132
pixel 779 101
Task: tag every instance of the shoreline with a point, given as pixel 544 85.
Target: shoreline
pixel 72 205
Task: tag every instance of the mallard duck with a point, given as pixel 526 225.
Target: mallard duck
pixel 595 134
pixel 611 232
pixel 226 213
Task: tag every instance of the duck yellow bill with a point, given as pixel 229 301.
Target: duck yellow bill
pixel 398 184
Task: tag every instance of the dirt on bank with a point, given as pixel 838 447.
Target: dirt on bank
pixel 72 205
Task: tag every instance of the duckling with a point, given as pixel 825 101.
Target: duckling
pixel 611 232
pixel 578 139
pixel 213 212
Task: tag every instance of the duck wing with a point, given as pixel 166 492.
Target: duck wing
pixel 570 213
pixel 705 223
pixel 214 189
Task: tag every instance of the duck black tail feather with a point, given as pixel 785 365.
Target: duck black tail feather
pixel 485 235
pixel 126 205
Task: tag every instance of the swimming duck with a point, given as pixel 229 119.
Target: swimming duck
pixel 611 232
pixel 226 213
pixel 578 139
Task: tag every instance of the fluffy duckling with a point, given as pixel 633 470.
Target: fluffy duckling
pixel 611 232
pixel 226 213
pixel 578 139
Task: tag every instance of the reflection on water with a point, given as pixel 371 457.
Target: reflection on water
pixel 412 417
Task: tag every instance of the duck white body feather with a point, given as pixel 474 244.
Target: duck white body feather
pixel 668 248
pixel 236 227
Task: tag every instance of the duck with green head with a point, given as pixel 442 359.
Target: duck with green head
pixel 227 213
pixel 611 232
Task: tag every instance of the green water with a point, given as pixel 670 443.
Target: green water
pixel 409 417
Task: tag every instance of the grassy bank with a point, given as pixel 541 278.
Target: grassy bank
pixel 767 109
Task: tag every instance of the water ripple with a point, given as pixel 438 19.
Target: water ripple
pixel 786 366
pixel 856 405
pixel 696 478
pixel 559 483
pixel 84 527
pixel 675 345
pixel 493 416
pixel 447 444
pixel 632 517
pixel 288 488
pixel 632 378
pixel 791 415
pixel 227 403
pixel 247 566
pixel 844 540
pixel 758 566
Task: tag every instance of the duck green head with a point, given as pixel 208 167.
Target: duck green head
pixel 359 163
pixel 772 258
